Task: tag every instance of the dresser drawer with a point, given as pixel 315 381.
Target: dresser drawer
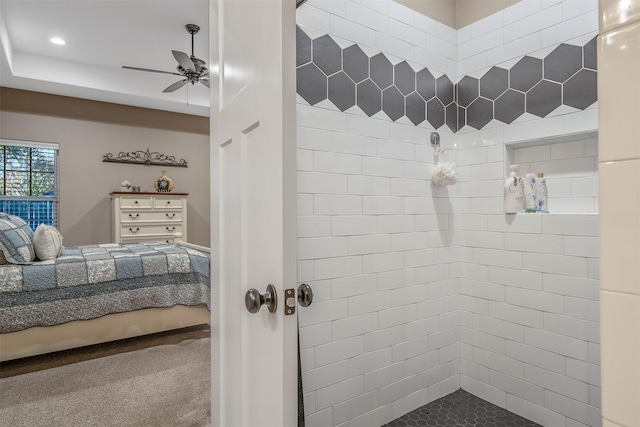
pixel 141 230
pixel 150 216
pixel 133 202
pixel 166 239
pixel 167 202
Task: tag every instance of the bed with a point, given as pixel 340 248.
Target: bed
pixel 98 293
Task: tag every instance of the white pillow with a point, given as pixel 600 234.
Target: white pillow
pixel 47 242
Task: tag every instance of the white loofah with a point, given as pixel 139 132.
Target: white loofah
pixel 444 173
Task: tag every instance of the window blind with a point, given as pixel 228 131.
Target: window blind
pixel 29 181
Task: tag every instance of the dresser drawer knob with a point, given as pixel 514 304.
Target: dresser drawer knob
pixel 168 202
pixel 172 229
pixel 132 231
pixel 134 217
pixel 171 216
pixel 135 202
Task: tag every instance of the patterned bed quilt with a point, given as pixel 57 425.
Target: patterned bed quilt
pixel 87 282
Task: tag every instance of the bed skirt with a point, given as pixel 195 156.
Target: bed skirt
pixel 79 333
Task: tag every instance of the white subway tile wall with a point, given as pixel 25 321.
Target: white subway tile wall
pixel 423 290
pixel 380 228
pixel 546 315
pixel 523 29
pixel 386 339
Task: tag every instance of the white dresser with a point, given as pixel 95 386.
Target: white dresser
pixel 147 217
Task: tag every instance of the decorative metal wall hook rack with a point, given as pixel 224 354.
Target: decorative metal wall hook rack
pixel 147 158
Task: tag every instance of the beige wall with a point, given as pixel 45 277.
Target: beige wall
pixel 470 11
pixel 86 130
pixel 443 11
pixel 457 13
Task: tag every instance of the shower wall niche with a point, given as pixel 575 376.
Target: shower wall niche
pixel 570 165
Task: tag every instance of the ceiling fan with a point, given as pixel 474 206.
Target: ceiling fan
pixel 193 70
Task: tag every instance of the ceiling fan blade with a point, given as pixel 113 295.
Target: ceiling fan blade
pixel 150 70
pixel 184 60
pixel 205 82
pixel 175 86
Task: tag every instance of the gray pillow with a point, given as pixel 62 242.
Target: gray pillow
pixel 16 239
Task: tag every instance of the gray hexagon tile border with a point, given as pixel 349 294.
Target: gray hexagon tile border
pixel 349 77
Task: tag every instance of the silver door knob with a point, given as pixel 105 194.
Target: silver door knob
pixel 305 295
pixel 253 299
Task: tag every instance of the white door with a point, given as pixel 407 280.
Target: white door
pixel 254 356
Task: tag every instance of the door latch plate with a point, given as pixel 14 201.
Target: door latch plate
pixel 289 302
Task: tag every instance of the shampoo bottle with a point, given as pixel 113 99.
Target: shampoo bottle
pixel 541 192
pixel 530 193
pixel 513 193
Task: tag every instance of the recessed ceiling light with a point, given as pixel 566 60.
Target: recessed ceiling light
pixel 57 40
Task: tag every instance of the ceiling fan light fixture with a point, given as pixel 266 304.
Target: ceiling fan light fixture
pixel 192 69
pixel 57 40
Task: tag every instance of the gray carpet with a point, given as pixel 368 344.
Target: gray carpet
pixel 165 385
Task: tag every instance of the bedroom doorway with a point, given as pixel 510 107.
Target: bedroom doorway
pixel 253 153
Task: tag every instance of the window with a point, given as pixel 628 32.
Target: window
pixel 29 181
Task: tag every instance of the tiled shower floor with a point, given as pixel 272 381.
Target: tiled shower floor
pixel 461 409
